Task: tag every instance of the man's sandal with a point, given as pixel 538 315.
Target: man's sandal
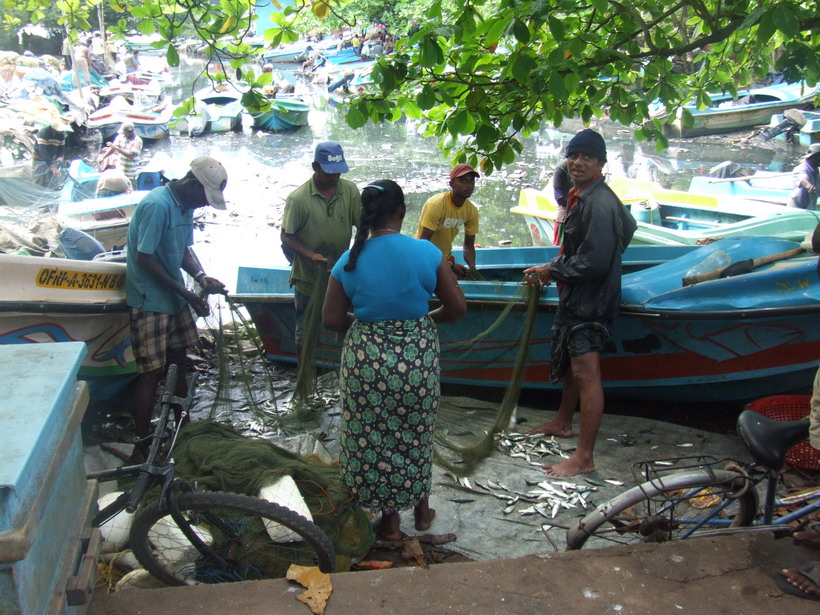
pixel 805 571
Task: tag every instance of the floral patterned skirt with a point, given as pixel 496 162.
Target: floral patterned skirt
pixel 389 401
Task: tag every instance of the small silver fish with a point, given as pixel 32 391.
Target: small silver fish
pixel 617 483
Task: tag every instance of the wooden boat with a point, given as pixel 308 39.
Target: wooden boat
pixel 804 132
pixel 151 122
pixel 217 108
pixel 733 338
pixel 62 300
pixel 286 113
pixel 751 107
pixel 674 217
pixel 765 186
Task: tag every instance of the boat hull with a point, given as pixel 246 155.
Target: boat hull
pixel 656 351
pixel 283 115
pixel 49 300
pixel 727 114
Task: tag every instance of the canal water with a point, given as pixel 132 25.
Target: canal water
pixel 264 168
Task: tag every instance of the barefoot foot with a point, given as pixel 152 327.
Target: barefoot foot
pixel 552 429
pixel 801 582
pixel 424 515
pixel 388 527
pixel 570 467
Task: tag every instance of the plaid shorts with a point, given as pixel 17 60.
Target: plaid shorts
pixel 153 333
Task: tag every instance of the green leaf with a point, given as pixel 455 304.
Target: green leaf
pixel 355 118
pixel 172 56
pixel 600 5
pixel 428 54
pixel 557 88
pixel 485 136
pixel 412 110
pixel 766 27
pixel 787 22
pixel 426 98
pixel 521 31
pixel 496 29
pixel 556 27
pixel 522 67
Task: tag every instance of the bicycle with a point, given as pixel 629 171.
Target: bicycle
pixel 188 536
pixel 676 499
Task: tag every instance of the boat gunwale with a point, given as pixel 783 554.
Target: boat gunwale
pixel 53 307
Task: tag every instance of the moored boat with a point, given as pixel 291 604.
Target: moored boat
pixel 751 107
pixel 150 122
pixel 217 108
pixel 727 339
pixel 286 113
pixel 761 186
pixel 49 300
pixel 674 217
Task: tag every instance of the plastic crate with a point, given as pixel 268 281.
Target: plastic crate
pixel 790 408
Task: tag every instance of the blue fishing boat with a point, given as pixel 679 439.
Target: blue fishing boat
pixel 676 217
pixel 751 107
pixel 726 339
pixel 285 113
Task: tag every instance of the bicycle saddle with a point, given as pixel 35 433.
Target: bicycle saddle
pixel 769 440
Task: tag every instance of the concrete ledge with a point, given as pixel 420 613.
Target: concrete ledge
pixel 730 574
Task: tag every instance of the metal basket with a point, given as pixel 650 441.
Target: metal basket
pixel 790 408
pixel 656 471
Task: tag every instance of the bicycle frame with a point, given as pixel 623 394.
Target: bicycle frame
pixel 149 473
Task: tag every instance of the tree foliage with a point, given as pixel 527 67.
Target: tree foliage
pixel 482 74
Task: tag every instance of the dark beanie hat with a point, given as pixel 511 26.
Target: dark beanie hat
pixel 587 142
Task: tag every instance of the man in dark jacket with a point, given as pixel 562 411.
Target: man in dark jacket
pixel 588 273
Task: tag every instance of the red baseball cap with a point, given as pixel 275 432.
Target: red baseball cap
pixel 462 169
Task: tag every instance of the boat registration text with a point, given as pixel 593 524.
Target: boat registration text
pixel 80 280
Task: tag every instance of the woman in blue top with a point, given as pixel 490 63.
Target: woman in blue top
pixel 389 375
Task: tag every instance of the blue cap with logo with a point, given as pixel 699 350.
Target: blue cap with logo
pixel 330 157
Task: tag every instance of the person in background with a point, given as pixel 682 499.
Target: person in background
pixel 806 177
pixel 82 63
pixel 317 225
pixel 160 237
pixel 389 377
pixel 49 147
pixel 561 185
pixel 588 272
pixel 444 213
pixel 113 182
pixel 124 152
pixel 131 61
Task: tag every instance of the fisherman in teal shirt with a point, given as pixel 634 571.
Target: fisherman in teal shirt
pixel 160 236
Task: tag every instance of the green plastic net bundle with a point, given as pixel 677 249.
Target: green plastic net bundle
pixel 220 459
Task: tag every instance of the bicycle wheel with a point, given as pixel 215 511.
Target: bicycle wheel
pixel 223 537
pixel 688 503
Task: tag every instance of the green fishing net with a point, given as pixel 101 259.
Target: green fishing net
pixel 220 459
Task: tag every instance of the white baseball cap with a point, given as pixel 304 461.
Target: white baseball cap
pixel 213 177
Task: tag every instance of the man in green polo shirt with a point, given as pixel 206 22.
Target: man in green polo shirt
pixel 317 224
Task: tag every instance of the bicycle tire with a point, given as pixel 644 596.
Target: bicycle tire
pixel 635 515
pixel 233 526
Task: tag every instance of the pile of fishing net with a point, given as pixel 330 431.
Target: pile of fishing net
pixel 220 459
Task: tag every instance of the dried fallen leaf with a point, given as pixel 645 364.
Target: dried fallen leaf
pixel 317 583
pixel 411 550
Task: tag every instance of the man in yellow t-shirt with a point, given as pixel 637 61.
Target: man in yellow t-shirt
pixel 444 213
